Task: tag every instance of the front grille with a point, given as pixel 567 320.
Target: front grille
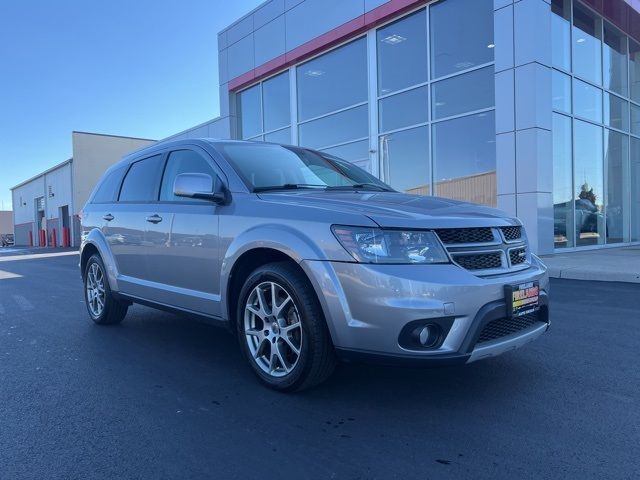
pixel 465 235
pixel 518 256
pixel 479 261
pixel 511 233
pixel 506 326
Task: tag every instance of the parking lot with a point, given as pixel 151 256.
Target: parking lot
pixel 163 397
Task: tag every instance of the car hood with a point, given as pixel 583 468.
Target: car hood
pixel 394 209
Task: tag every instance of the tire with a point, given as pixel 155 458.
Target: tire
pixel 300 324
pixel 113 310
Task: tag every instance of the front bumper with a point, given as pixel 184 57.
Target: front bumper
pixel 367 306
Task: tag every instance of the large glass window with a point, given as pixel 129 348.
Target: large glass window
pixel 279 136
pixel 333 81
pixel 634 70
pixel 561 91
pixel 142 181
pixel 461 35
pixel 589 183
pixel 354 151
pixel 250 108
pixel 587 101
pixel 402 53
pixel 561 34
pixel 275 100
pixel 563 230
pixel 404 109
pixel 405 156
pixel 635 189
pixel 616 112
pixel 616 147
pixel 635 119
pixel 465 164
pixel 183 161
pixel 586 42
pixel 352 124
pixel 615 60
pixel 463 93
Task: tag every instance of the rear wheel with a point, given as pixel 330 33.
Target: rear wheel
pixel 282 330
pixel 103 307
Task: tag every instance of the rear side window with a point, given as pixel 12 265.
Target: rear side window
pixel 107 191
pixel 141 182
pixel 183 161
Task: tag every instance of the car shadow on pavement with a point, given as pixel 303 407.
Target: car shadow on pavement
pixel 167 345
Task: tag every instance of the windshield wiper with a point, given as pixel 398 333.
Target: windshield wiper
pixel 288 186
pixel 361 186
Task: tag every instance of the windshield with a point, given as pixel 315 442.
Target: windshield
pixel 266 166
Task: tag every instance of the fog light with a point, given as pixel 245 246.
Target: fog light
pixel 427 335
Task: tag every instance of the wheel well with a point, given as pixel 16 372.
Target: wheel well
pixel 88 250
pixel 243 267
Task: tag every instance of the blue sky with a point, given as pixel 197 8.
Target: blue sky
pixel 141 68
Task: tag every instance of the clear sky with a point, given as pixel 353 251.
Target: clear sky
pixel 140 68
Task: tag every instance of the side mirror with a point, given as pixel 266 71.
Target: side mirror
pixel 198 185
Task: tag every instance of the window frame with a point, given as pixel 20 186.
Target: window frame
pixel 163 157
pixel 215 169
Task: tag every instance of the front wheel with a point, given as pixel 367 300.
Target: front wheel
pixel 282 330
pixel 103 307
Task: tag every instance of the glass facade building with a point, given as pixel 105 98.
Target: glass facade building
pixel 531 106
pixel 596 105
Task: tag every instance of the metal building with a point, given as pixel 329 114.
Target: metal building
pixel 46 207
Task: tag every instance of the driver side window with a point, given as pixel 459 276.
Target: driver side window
pixel 183 161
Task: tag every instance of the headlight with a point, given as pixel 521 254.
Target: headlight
pixel 375 245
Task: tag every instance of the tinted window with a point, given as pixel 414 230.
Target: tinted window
pixel 461 35
pixel 183 161
pixel 561 33
pixel 403 109
pixel 402 53
pixel 586 44
pixel 141 182
pixel 562 182
pixel 405 159
pixel 275 98
pixel 561 91
pixel 465 165
pixel 108 190
pixel 587 101
pixel 464 93
pixel 338 128
pixel 335 80
pixel 250 109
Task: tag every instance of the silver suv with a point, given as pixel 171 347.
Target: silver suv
pixel 308 259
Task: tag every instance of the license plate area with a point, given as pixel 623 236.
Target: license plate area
pixel 522 299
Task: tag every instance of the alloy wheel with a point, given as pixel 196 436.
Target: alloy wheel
pixel 95 290
pixel 272 329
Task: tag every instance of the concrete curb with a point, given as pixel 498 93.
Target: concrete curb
pixel 579 273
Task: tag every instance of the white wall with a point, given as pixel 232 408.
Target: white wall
pixel 6 221
pixel 92 155
pixel 25 212
pixel 60 183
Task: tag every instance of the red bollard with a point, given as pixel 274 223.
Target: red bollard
pixel 53 238
pixel 66 237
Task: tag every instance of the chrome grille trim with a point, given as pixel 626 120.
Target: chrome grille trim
pixel 504 244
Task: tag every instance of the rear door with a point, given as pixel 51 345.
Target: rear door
pixel 183 257
pixel 127 223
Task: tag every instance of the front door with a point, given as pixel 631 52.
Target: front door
pixel 183 258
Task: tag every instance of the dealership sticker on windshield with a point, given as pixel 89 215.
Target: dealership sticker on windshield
pixel 522 299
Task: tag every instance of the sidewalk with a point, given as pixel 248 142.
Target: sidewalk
pixel 28 253
pixel 606 265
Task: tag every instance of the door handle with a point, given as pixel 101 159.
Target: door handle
pixel 154 218
pixel 108 217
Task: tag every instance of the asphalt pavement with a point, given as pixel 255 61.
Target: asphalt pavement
pixel 164 397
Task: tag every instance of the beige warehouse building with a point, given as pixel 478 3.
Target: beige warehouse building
pixel 46 207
